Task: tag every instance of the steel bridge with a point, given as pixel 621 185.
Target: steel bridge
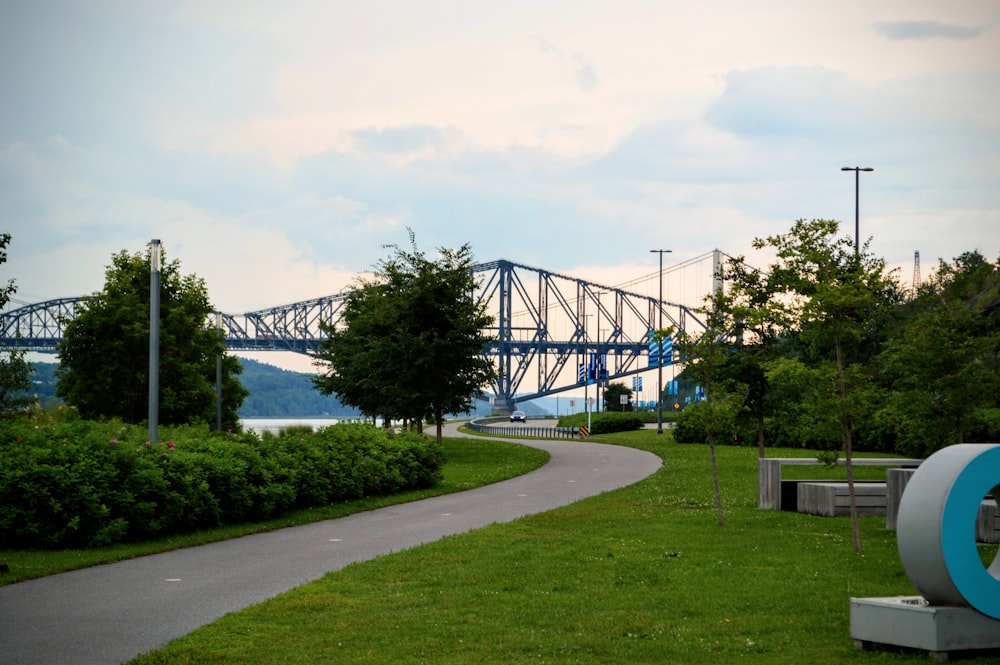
pixel 545 325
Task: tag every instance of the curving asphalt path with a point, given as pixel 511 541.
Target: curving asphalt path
pixel 110 614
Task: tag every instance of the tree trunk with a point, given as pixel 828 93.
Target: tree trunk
pixel 711 449
pixel 715 481
pixel 845 420
pixel 760 436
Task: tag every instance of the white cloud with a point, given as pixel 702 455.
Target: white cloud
pixel 926 30
pixel 276 150
pixel 586 77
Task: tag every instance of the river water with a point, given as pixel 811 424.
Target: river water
pixel 273 425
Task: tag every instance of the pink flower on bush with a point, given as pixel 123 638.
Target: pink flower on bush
pixel 147 444
pixel 170 444
pixel 114 442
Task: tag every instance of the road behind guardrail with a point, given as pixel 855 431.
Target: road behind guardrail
pixel 538 430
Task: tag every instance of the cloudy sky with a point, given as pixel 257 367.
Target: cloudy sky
pixel 276 148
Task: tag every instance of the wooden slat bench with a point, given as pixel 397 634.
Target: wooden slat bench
pixel 773 493
pixel 832 499
pixel 987 521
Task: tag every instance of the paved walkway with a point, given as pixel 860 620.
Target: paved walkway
pixel 109 614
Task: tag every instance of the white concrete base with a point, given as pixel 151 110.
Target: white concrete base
pixel 909 621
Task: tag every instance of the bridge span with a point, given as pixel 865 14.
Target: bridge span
pixel 545 325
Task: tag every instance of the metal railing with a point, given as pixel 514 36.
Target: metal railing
pixel 490 426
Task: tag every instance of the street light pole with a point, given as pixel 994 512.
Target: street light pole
pixel 586 360
pixel 218 376
pixel 154 339
pixel 659 363
pixel 857 202
pixel 597 369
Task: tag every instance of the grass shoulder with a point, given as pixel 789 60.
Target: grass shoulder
pixel 643 574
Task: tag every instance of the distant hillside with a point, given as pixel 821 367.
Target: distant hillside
pixel 278 393
pixel 44 383
pixel 274 392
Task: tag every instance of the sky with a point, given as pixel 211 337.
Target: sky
pixel 277 148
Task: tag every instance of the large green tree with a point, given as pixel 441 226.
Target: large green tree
pixel 15 371
pixel 942 369
pixel 838 297
pixel 104 354
pixel 410 343
pixel 760 317
pixel 612 397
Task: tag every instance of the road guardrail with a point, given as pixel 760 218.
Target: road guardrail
pixel 493 425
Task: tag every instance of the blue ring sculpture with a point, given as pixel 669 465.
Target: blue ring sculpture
pixel 936 526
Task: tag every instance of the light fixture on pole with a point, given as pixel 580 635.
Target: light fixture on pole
pixel 857 201
pixel 586 364
pixel 597 367
pixel 659 362
pixel 154 339
pixel 218 375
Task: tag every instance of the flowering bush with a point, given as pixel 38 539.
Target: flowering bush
pixel 84 484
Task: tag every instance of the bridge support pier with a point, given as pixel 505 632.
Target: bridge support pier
pixel 504 405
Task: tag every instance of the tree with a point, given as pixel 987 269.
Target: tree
pixel 612 397
pixel 837 295
pixel 360 360
pixel 104 354
pixel 15 371
pixel 15 383
pixel 943 366
pixel 760 317
pixel 705 353
pixel 410 344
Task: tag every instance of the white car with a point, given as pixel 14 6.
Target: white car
pixel 518 417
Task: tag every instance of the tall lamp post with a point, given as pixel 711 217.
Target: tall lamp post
pixel 659 363
pixel 154 339
pixel 597 369
pixel 218 376
pixel 857 202
pixel 586 360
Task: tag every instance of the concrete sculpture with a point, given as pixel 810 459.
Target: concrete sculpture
pixel 959 605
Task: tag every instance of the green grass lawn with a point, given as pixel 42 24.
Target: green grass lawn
pixel 643 574
pixel 469 463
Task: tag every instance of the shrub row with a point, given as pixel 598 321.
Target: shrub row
pixel 871 435
pixel 85 484
pixel 605 422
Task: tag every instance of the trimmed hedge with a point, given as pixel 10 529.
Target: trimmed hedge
pixel 86 484
pixel 605 422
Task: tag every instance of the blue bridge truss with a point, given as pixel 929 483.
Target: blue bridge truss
pixel 545 325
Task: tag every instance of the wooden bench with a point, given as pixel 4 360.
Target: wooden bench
pixel 987 521
pixel 832 499
pixel 775 494
pixel 895 481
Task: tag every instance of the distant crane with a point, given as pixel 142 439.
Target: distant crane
pixel 916 271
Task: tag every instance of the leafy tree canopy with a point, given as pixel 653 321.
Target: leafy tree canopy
pixel 410 344
pixel 943 362
pixel 826 345
pixel 15 371
pixel 612 397
pixel 104 354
